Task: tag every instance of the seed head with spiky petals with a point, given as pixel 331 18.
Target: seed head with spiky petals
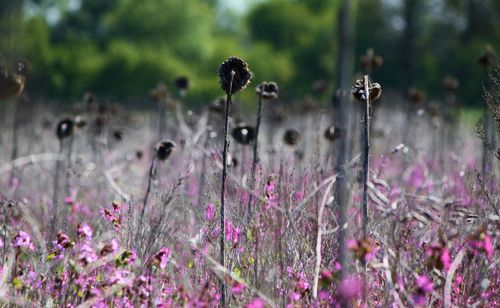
pixel 242 75
pixel 268 90
pixel 358 90
pixel 164 149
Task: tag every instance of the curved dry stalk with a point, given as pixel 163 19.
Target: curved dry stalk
pixel 449 277
pixel 318 238
pixel 30 159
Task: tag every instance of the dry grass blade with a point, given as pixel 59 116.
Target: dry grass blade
pixel 30 159
pixel 449 277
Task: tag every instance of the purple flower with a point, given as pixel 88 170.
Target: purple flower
pixel 257 303
pixel 162 257
pixel 84 231
pixel 87 255
pixel 424 287
pixel 350 287
pixel 23 239
pixel 237 288
pixel 109 248
pixel 209 212
pixel 271 196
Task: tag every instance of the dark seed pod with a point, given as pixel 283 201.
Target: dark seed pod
pixel 89 98
pixel 332 133
pixel 217 105
pixel 80 122
pixel 488 58
pixel 182 83
pixel 159 93
pixel 416 96
pixel 244 134
pixel 268 90
pixel 164 149
pixel 291 137
pixel 320 86
pixel 358 90
pixel 276 114
pixel 118 135
pixel 450 83
pixel 242 75
pixel 370 60
pixel 139 154
pixel 64 128
pixel 22 68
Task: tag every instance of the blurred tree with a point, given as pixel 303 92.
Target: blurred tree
pixel 306 34
pixel 412 10
pixel 11 29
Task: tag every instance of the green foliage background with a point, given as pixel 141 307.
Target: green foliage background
pixel 122 48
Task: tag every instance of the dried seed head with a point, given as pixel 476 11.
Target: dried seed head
pixel 218 105
pixel 89 98
pixel 370 60
pixel 80 122
pixel 291 137
pixel 244 134
pixel 276 114
pixel 332 133
pixel 308 104
pixel 358 91
pixel 488 58
pixel 182 83
pixel 416 96
pixel 64 128
pixel 160 93
pixel 450 83
pixel 22 68
pixel 139 154
pixel 118 135
pixel 164 149
pixel 268 90
pixel 234 69
pixel 320 86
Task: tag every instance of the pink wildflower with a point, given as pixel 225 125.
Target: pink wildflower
pixel 87 255
pixel 109 248
pixel 424 287
pixel 271 196
pixel 209 212
pixel 23 240
pixel 257 303
pixel 350 287
pixel 481 242
pixel 84 231
pixel 162 257
pixel 237 288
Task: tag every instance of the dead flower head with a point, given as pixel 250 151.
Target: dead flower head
pixel 164 149
pixel 268 90
pixel 358 91
pixel 234 69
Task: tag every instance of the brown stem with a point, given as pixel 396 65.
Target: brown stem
pixel 222 285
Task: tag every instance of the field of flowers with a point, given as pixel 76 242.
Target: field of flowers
pixel 112 206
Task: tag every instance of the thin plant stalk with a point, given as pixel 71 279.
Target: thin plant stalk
pixel 161 119
pixel 55 193
pixel 255 157
pixel 148 189
pixel 222 285
pixel 366 154
pixel 366 168
pixel 15 131
pixel 203 161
